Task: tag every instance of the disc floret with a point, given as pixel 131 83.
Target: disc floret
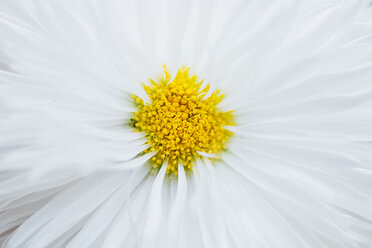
pixel 179 121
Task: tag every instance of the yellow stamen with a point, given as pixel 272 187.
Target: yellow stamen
pixel 179 122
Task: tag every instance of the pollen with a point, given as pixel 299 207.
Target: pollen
pixel 180 121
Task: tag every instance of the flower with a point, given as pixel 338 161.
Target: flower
pixel 281 100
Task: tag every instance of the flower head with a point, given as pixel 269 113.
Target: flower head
pixel 264 142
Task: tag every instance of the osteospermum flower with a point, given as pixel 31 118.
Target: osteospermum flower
pixel 185 123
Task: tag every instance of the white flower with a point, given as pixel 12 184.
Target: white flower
pixel 296 173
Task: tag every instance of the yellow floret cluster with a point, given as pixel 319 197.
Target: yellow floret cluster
pixel 179 121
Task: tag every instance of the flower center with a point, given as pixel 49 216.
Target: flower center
pixel 180 123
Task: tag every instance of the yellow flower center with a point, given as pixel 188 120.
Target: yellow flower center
pixel 180 122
